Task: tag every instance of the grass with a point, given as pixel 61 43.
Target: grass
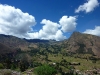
pixel 5 72
pixel 84 63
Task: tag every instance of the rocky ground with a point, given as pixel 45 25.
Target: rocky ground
pixel 11 72
pixel 30 72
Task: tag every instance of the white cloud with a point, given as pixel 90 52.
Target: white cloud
pixel 33 35
pixel 50 30
pixel 59 35
pixel 89 6
pixel 68 23
pixel 49 26
pixel 95 31
pixel 15 22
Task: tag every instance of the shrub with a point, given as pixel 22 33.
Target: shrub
pixel 13 66
pixel 45 70
pixel 1 66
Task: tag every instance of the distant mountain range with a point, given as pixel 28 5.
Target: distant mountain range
pixel 77 43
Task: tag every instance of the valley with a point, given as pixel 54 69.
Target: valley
pixel 78 55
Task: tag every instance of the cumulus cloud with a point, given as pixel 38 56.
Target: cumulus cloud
pixel 95 31
pixel 89 6
pixel 50 30
pixel 15 22
pixel 49 26
pixel 68 23
pixel 33 35
pixel 59 35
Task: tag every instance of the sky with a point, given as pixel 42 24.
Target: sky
pixel 49 19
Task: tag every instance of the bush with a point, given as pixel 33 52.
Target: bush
pixel 13 66
pixel 1 66
pixel 45 70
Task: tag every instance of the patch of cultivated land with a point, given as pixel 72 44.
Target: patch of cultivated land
pixel 85 64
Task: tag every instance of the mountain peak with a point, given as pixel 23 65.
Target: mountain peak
pixel 84 43
pixel 76 33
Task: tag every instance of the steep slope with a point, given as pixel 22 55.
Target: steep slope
pixel 13 42
pixel 84 43
pixel 5 50
pixel 23 44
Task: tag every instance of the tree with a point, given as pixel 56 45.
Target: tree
pixel 23 65
pixel 45 70
pixel 1 66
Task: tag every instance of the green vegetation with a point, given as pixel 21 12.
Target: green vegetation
pixel 46 61
pixel 45 70
pixel 1 66
pixel 5 72
pixel 50 59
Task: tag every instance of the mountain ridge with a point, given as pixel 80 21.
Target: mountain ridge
pixel 76 43
pixel 84 43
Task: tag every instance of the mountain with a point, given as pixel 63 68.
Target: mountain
pixel 13 42
pixel 83 43
pixel 36 40
pixel 23 44
pixel 5 50
pixel 77 43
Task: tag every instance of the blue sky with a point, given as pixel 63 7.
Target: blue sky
pixel 49 19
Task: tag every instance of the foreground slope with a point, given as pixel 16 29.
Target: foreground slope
pixel 5 50
pixel 13 42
